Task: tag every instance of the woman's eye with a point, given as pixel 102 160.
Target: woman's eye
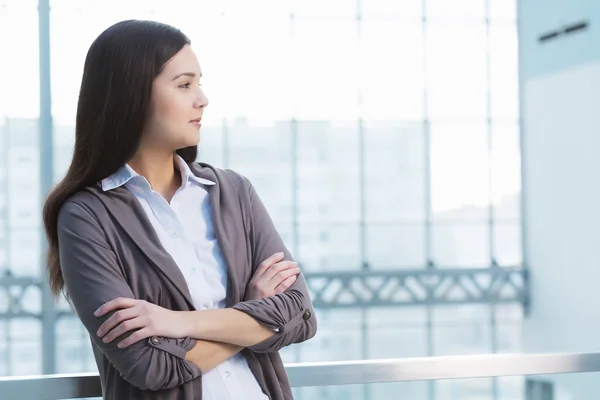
pixel 185 85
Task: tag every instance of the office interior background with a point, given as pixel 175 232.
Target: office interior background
pixel 430 164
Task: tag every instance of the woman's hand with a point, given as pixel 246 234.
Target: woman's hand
pixel 149 320
pixel 272 276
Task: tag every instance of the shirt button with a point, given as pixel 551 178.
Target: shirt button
pixel 307 315
pixel 174 234
pixel 227 374
pixel 155 340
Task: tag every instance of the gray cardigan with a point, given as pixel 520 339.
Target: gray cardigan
pixel 109 249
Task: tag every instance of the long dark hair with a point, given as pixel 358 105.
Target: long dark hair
pixel 114 104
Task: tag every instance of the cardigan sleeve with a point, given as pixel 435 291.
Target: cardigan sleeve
pixel 93 277
pixel 290 313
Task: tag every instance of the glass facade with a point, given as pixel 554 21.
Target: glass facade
pixel 380 135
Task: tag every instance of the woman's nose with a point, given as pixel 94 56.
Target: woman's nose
pixel 201 101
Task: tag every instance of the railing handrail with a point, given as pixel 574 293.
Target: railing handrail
pixel 65 386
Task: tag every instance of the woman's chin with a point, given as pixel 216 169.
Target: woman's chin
pixel 192 139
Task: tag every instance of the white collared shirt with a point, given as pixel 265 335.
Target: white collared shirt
pixel 185 229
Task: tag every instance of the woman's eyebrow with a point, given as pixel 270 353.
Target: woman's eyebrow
pixel 190 74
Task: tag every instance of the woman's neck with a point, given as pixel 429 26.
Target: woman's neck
pixel 158 167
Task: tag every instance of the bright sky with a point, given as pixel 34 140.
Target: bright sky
pixel 257 64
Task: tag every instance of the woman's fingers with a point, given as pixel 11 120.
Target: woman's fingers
pixel 265 265
pixel 117 318
pixel 135 337
pixel 278 269
pixel 284 274
pixel 122 328
pixel 116 304
pixel 285 285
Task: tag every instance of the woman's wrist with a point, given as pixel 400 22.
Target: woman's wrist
pixel 190 322
pixel 224 325
pixel 202 324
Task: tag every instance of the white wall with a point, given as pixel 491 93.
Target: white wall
pixel 561 166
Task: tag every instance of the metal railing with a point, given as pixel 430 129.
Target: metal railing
pixel 54 387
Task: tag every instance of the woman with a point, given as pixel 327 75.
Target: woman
pixel 174 267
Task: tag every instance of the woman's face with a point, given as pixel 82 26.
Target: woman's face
pixel 177 105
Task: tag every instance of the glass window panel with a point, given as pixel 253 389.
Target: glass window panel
pixel 4 365
pixel 506 171
pixel 458 246
pixel 324 70
pixel 400 390
pixel 396 246
pixel 23 134
pixel 26 329
pixel 74 351
pixel 247 74
pixel 510 387
pixel 31 300
pixel 504 72
pixel 286 231
pixel 508 338
pixel 397 332
pixel 328 172
pixel 391 70
pixel 23 164
pixel 263 153
pixel 19 97
pixel 328 247
pixel 396 317
pixel 401 199
pixel 387 343
pixel 24 252
pixel 339 337
pixel 457 9
pixel 459 171
pixel 22 174
pixel 4 267
pixel 213 137
pixel 408 9
pixel 508 247
pixel 394 171
pixel 346 392
pixel 324 8
pixel 23 204
pixel 505 10
pixel 456 70
pixel 509 313
pixel 4 333
pixel 452 315
pixel 464 389
pixel 25 347
pixel 5 302
pixel 25 357
pixel 462 329
pixel 277 9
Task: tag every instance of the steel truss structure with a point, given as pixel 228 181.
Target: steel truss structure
pixel 351 289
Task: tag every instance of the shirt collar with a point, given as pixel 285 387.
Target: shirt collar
pixel 186 173
pixel 119 178
pixel 126 173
